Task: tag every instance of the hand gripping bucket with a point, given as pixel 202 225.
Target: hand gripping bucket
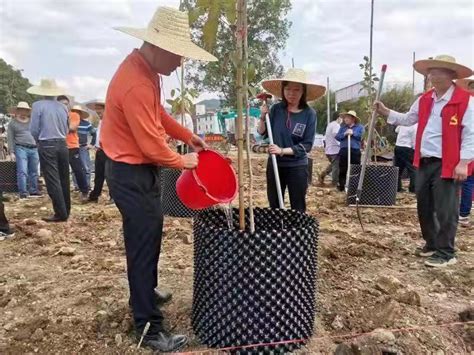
pixel 211 183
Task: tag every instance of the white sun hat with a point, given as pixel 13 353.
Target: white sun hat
pixel 442 62
pixel 47 87
pixel 81 111
pixel 169 30
pixel 313 91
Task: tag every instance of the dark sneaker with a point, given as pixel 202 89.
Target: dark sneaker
pixel 424 252
pixel 36 195
pixel 23 196
pixel 438 261
pixel 6 234
pixel 164 342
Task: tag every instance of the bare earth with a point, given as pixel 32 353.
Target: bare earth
pixel 64 290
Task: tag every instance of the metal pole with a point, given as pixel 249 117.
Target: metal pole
pixel 292 62
pixel 371 39
pixel 274 162
pixel 348 174
pixel 328 101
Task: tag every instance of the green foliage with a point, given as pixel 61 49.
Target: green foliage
pixel 267 35
pixel 188 98
pixel 321 108
pixel 12 87
pixel 368 85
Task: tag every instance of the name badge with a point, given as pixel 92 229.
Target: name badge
pixel 299 129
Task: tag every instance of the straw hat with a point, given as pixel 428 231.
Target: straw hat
pixel 313 91
pixel 169 30
pixel 47 87
pixel 78 109
pixel 351 113
pixel 464 83
pixel 21 106
pixel 442 62
pixel 93 103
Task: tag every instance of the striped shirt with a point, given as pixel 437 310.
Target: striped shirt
pixel 84 130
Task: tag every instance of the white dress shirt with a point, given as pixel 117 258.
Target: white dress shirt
pixel 431 142
pixel 406 136
pixel 97 135
pixel 332 145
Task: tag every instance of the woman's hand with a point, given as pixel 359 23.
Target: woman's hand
pixel 274 149
pixel 349 132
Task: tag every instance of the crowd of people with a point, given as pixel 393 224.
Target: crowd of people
pixel 131 143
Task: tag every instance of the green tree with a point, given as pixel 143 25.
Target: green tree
pixel 321 108
pixel 13 87
pixel 267 35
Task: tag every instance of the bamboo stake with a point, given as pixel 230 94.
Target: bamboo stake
pixel 183 121
pixel 239 125
pixel 247 121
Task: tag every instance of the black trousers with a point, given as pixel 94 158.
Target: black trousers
pixel 355 159
pixel 294 178
pixel 99 175
pixel 78 169
pixel 403 159
pixel 54 160
pixel 438 207
pixel 4 226
pixel 136 192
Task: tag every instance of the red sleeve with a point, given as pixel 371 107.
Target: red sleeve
pixel 139 108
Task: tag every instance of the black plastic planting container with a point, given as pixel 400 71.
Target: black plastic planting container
pixel 8 181
pixel 170 202
pixel 255 288
pixel 379 188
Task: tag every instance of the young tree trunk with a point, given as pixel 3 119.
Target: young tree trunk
pixel 247 121
pixel 239 122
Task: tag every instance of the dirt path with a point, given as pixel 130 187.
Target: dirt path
pixel 63 290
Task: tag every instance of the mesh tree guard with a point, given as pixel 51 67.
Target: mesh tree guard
pixel 255 288
pixel 380 185
pixel 8 182
pixel 171 204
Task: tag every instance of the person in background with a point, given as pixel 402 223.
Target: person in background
pixel 72 141
pixel 187 122
pixel 84 131
pixel 331 148
pixel 49 127
pixel 444 152
pixel 133 135
pixel 5 230
pixel 23 149
pixel 293 125
pixel 467 187
pixel 404 153
pixel 100 157
pixel 350 127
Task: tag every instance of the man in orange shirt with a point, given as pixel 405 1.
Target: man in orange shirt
pixel 133 135
pixel 72 141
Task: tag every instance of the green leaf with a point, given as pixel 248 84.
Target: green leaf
pixel 251 72
pixel 173 92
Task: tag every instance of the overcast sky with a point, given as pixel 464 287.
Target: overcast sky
pixel 73 40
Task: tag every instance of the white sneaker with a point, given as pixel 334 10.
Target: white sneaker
pixel 464 221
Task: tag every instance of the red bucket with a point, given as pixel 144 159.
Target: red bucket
pixel 212 182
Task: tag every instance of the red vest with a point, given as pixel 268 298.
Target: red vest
pixel 451 115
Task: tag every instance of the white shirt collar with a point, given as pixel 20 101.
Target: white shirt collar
pixel 447 95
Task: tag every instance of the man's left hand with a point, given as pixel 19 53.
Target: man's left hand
pixel 460 173
pixel 198 144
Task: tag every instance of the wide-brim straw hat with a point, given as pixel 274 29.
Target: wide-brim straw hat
pixel 442 62
pixel 92 104
pixel 313 91
pixel 351 113
pixel 47 87
pixel 169 30
pixel 78 109
pixel 464 83
pixel 22 105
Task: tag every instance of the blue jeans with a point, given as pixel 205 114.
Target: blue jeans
pixel 86 163
pixel 466 197
pixel 27 161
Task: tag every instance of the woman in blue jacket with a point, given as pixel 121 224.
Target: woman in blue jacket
pixel 350 127
pixel 293 125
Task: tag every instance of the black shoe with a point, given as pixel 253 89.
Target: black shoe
pixel 54 219
pixel 424 252
pixel 23 196
pixel 164 342
pixel 36 195
pixel 162 297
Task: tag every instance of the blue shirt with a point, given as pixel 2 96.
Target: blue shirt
pixel 295 131
pixel 85 128
pixel 356 138
pixel 49 120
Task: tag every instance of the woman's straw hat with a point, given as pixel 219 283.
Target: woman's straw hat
pixel 21 106
pixel 78 109
pixel 47 87
pixel 442 62
pixel 351 113
pixel 169 30
pixel 313 91
pixel 91 105
pixel 465 83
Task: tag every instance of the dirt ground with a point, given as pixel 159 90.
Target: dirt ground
pixel 63 287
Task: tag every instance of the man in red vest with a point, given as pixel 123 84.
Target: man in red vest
pixel 444 153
